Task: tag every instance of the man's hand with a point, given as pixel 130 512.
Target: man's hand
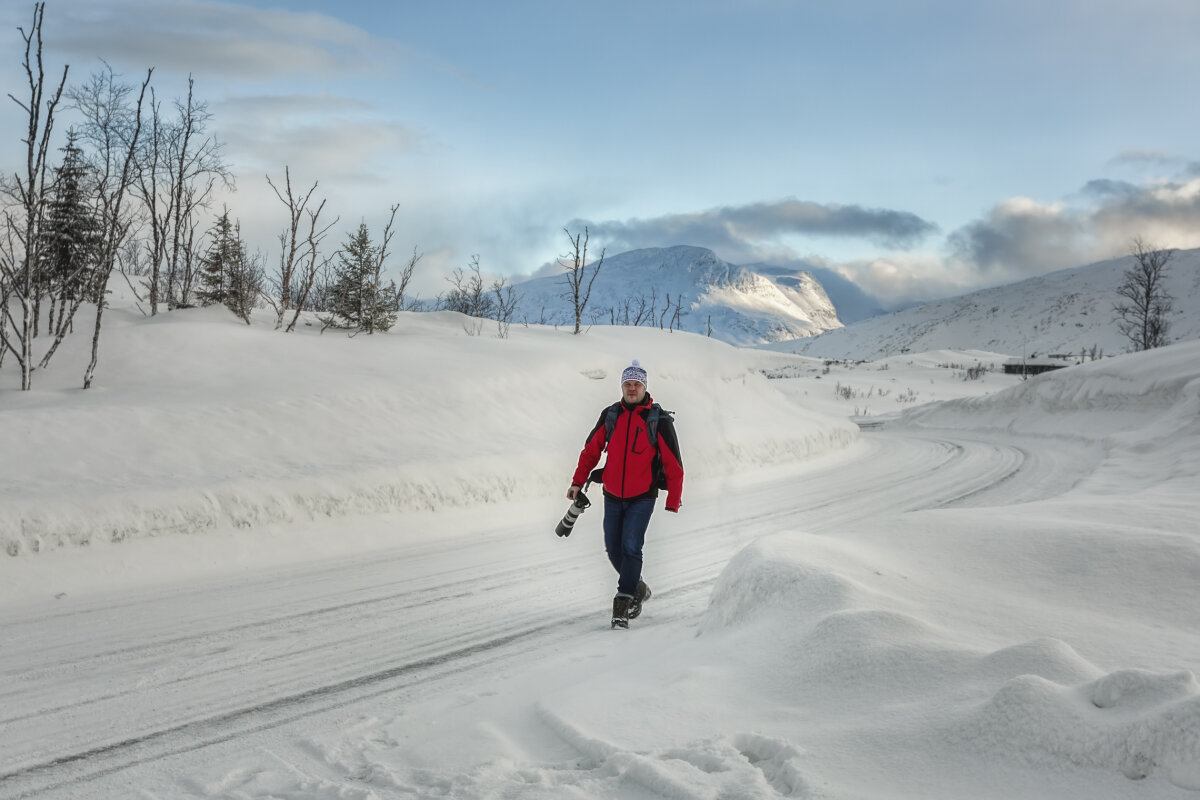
pixel 573 491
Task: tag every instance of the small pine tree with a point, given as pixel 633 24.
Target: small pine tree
pixel 358 297
pixel 70 237
pixel 217 262
pixel 227 275
pixel 349 279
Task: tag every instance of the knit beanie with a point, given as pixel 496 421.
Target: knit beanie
pixel 635 372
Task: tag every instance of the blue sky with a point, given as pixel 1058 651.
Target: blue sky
pixel 920 148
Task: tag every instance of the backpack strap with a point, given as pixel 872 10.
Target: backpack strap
pixel 652 424
pixel 652 417
pixel 610 421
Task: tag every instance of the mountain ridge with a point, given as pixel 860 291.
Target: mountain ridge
pixel 1066 311
pixel 730 302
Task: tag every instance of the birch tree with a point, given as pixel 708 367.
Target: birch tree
pixel 1144 304
pixel 27 195
pixel 299 262
pixel 578 277
pixel 179 166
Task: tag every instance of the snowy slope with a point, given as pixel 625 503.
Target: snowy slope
pixel 740 305
pixel 321 567
pixel 1063 312
pixel 206 422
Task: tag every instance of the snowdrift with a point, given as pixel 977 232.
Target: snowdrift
pixel 199 422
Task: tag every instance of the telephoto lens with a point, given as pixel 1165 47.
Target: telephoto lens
pixel 568 521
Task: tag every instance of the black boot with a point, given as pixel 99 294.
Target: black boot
pixel 620 617
pixel 642 595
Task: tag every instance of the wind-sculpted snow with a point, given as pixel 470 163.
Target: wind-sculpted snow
pixel 1135 722
pixel 825 639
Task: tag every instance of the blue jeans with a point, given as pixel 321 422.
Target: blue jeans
pixel 625 523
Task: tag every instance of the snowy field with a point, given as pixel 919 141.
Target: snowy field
pixel 250 565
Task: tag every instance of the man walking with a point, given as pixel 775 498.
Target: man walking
pixel 643 457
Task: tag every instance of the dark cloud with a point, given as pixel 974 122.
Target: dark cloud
pixel 752 232
pixel 896 229
pixel 1164 207
pixel 1019 237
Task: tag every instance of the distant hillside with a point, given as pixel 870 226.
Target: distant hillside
pixel 1062 312
pixel 740 305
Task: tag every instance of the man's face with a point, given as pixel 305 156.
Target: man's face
pixel 633 391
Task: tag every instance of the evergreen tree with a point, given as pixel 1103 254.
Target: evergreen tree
pixel 227 275
pixel 359 298
pixel 218 263
pixel 350 277
pixel 70 237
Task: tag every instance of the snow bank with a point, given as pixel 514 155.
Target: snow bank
pixel 1098 398
pixel 199 422
pixel 1144 408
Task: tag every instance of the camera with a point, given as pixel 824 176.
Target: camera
pixel 568 521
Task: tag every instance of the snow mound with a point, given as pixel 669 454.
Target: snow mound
pixel 765 580
pixel 1136 722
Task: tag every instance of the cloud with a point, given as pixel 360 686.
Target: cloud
pixel 1019 237
pixel 1143 158
pixel 215 39
pixel 344 136
pixel 753 232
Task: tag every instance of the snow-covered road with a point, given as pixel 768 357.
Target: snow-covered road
pixel 137 687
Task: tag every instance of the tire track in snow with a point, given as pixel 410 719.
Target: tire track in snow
pixel 941 466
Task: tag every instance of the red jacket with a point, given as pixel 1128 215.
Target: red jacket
pixel 629 470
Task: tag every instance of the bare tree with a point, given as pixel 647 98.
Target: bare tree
pixel 381 301
pixel 469 296
pixel 1144 304
pixel 406 274
pixel 577 274
pixel 113 189
pixel 506 305
pixel 298 257
pixel 112 127
pixel 19 256
pixel 178 168
pixel 315 286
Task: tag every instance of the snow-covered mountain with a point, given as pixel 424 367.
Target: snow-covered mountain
pixel 734 303
pixel 1063 312
pixel 851 302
